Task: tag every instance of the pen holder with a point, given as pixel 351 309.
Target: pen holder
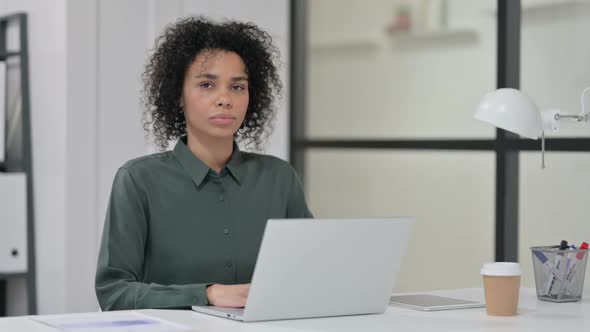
pixel 559 274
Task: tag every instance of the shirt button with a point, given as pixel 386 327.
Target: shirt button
pixel 226 231
pixel 221 198
pixel 216 181
pixel 228 264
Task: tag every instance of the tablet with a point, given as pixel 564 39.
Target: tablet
pixel 426 302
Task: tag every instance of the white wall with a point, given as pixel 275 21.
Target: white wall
pixel 86 58
pixel 123 30
pixel 83 161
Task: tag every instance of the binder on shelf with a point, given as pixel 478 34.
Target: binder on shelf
pixel 2 110
pixel 13 223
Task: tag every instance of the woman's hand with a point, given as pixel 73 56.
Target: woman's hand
pixel 233 296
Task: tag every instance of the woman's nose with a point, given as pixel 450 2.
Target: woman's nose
pixel 224 101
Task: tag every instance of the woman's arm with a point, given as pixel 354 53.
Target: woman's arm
pixel 297 206
pixel 121 257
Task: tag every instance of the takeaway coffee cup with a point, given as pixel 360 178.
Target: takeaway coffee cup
pixel 501 283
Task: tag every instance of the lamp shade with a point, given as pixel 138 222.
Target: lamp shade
pixel 511 110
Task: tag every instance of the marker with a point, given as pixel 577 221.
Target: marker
pixel 568 269
pixel 553 284
pixel 559 257
pixel 543 259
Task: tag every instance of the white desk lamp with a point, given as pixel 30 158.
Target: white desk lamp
pixel 511 110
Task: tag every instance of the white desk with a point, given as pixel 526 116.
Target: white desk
pixel 533 315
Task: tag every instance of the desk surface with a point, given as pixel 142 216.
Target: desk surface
pixel 533 315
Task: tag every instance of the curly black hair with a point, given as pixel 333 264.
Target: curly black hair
pixel 176 49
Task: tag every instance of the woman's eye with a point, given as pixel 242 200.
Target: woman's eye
pixel 238 88
pixel 206 85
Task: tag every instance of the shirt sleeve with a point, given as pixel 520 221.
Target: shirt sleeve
pixel 297 206
pixel 119 271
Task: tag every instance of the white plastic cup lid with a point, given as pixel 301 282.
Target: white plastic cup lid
pixel 501 269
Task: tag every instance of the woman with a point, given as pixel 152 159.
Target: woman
pixel 183 227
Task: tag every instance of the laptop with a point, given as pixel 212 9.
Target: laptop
pixel 322 267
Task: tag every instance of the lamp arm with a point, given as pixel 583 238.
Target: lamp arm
pixel 584 113
pixel 550 120
pixel 583 116
pixel 578 118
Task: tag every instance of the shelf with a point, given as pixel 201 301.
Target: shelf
pixel 434 37
pixel 364 44
pixel 538 6
pixel 9 54
pixel 550 4
pixel 400 38
pixel 15 27
pixel 5 276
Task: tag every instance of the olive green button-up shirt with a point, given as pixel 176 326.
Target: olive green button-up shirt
pixel 174 226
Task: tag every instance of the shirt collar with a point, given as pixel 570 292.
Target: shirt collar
pixel 235 166
pixel 198 170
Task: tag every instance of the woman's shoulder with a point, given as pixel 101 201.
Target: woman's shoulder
pixel 148 162
pixel 144 169
pixel 267 162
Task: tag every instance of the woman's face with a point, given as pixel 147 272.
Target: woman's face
pixel 215 95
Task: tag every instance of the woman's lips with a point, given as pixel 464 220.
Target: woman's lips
pixel 222 119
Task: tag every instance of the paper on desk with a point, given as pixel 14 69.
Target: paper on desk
pixel 111 322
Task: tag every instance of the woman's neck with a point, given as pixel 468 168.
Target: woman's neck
pixel 214 152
